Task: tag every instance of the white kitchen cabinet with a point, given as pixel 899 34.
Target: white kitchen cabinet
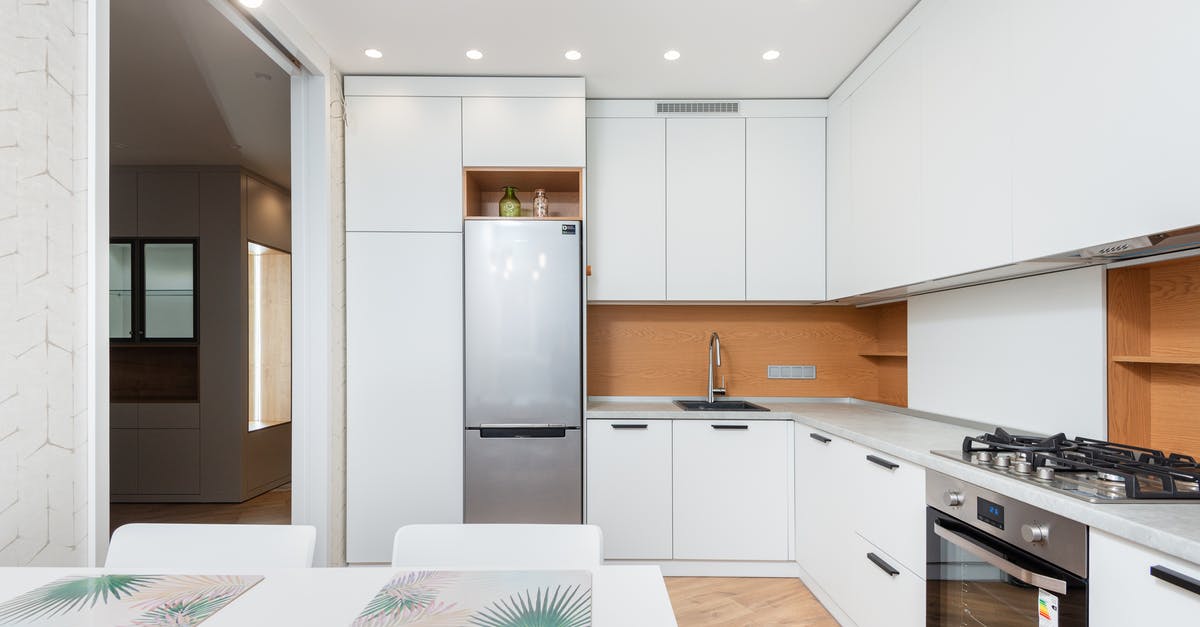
pixel 403 164
pixel 404 375
pixel 627 213
pixel 1122 591
pixel 523 132
pixel 886 594
pixel 785 209
pixel 841 262
pixel 731 489
pixel 885 165
pixel 706 209
pixel 629 486
pixel 823 533
pixel 1104 137
pixel 890 513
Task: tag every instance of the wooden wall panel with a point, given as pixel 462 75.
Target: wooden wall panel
pixel 662 350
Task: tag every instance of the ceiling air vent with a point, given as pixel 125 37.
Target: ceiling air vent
pixel 697 107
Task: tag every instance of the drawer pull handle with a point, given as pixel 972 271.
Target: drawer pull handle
pixel 631 426
pixel 1176 578
pixel 884 566
pixel 820 438
pixel 731 427
pixel 882 462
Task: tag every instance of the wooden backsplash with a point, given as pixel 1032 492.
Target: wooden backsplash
pixel 662 350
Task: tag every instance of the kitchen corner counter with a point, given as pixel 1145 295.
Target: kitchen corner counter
pixel 1172 528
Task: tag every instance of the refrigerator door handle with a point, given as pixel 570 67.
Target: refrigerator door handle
pixel 508 425
pixel 523 431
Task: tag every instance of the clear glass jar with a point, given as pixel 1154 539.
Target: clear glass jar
pixel 541 204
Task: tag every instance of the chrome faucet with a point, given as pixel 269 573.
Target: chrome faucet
pixel 714 341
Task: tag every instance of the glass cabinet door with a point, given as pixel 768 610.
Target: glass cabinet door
pixel 120 291
pixel 169 306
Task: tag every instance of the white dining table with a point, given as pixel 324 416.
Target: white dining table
pixel 622 596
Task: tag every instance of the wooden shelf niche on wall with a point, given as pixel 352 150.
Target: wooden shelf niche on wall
pixel 483 188
pixel 1154 355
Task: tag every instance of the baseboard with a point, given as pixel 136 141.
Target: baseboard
pixel 823 597
pixel 706 568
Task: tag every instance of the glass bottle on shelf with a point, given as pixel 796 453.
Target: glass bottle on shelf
pixel 541 204
pixel 510 205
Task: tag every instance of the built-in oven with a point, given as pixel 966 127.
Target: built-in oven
pixel 997 562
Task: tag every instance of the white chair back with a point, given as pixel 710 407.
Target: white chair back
pixel 509 547
pixel 206 547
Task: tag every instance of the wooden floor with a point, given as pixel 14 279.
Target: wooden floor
pixel 742 602
pixel 271 508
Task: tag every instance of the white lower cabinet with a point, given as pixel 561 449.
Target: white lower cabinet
pixel 629 486
pixel 885 593
pixel 731 485
pixel 890 511
pixel 1123 589
pixel 821 532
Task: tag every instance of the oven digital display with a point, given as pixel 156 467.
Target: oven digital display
pixel 990 513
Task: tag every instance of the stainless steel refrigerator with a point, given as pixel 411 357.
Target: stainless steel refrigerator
pixel 523 451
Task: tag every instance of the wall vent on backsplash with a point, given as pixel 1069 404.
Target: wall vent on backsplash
pixel 791 372
pixel 698 107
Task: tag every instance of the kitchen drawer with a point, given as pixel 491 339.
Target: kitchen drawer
pixel 629 486
pixel 885 594
pixel 169 415
pixel 123 415
pixel 888 505
pixel 1123 591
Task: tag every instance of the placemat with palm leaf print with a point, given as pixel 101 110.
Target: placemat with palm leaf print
pixel 535 598
pixel 137 600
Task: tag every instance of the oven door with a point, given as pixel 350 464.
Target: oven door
pixel 973 578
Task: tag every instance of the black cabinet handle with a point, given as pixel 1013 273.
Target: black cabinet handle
pixel 1176 578
pixel 731 427
pixel 882 462
pixel 884 566
pixel 820 438
pixel 631 426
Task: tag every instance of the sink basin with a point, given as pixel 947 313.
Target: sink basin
pixel 719 406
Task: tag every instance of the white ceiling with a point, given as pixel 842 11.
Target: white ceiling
pixel 189 89
pixel 622 41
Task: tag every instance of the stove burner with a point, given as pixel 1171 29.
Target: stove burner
pixel 982 457
pixel 1022 467
pixel 1002 461
pixel 1045 473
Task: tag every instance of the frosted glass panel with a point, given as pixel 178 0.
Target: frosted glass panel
pixel 169 276
pixel 120 291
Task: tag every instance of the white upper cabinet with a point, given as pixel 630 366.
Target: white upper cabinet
pixel 885 162
pixel 1105 136
pixel 785 209
pixel 523 132
pixel 403 164
pixel 706 209
pixel 842 265
pixel 627 211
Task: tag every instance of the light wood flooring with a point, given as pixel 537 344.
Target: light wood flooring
pixel 269 508
pixel 744 602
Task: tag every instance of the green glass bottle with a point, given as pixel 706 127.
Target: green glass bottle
pixel 510 205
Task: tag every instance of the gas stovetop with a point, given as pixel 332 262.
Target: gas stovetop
pixel 1092 470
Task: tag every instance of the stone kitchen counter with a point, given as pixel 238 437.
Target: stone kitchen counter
pixel 1172 528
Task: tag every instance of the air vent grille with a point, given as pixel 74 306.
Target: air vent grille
pixel 698 107
pixel 791 372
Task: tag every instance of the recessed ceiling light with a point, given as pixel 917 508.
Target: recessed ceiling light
pixel 671 55
pixel 474 54
pixel 251 4
pixel 573 55
pixel 374 53
pixel 770 55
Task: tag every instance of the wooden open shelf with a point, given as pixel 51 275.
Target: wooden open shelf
pixel 1153 348
pixel 150 373
pixel 883 354
pixel 483 188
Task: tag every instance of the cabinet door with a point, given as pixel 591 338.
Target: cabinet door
pixel 841 258
pixel 706 209
pixel 885 154
pixel 785 209
pixel 524 132
pixel 822 533
pixel 123 460
pixel 1106 132
pixel 627 212
pixel 168 461
pixel 403 164
pixel 168 204
pixel 731 489
pixel 404 376
pixel 1121 571
pixel 629 486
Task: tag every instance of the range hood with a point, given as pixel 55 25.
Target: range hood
pixel 1153 245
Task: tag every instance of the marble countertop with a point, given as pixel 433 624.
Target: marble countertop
pixel 1173 528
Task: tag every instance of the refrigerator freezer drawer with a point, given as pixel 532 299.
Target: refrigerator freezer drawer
pixel 523 475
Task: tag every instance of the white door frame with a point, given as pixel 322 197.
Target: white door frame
pixel 314 480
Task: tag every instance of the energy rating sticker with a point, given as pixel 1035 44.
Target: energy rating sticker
pixel 1047 609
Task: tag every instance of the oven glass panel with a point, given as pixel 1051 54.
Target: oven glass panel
pixel 962 589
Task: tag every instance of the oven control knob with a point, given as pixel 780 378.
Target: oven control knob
pixel 1035 532
pixel 953 498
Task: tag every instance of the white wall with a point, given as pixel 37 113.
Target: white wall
pixel 1027 353
pixel 43 283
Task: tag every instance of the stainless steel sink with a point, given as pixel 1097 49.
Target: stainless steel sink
pixel 719 406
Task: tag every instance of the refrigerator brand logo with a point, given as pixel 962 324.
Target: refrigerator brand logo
pixel 568 229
